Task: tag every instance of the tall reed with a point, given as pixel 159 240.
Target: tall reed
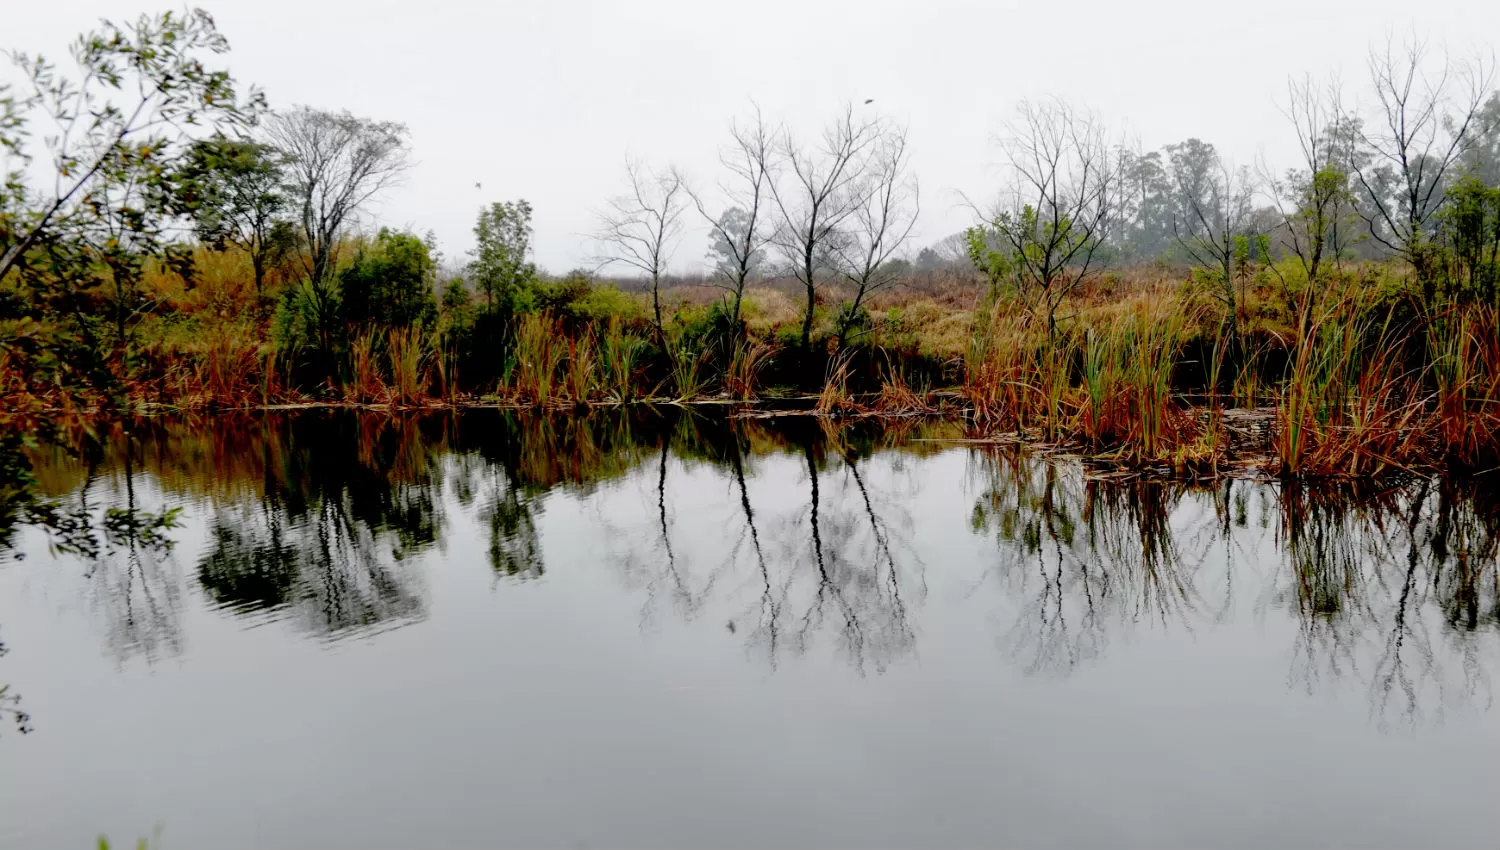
pixel 897 394
pixel 408 352
pixel 835 397
pixel 620 354
pixel 1463 346
pixel 746 360
pixel 1128 403
pixel 690 372
pixel 1000 375
pixel 580 369
pixel 537 351
pixel 364 383
pixel 1347 407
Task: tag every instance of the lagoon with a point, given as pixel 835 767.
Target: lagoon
pixel 665 629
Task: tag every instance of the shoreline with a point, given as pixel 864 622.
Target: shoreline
pixel 1238 443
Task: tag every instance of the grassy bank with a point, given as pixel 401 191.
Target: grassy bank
pixel 1360 377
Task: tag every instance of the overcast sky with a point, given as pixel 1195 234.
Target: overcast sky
pixel 543 100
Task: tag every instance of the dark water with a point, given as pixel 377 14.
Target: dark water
pixel 484 630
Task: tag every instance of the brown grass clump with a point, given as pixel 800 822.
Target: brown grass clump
pixel 1128 406
pixel 835 398
pixel 1347 407
pixel 746 360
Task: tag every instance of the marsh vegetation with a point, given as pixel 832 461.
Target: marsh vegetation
pixel 171 242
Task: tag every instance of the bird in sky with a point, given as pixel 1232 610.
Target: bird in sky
pixel 869 100
pixel 477 186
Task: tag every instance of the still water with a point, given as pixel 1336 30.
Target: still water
pixel 489 630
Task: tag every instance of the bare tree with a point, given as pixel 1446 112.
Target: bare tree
pixel 640 228
pixel 1313 202
pixel 1415 142
pixel 741 233
pixel 824 189
pixel 1065 180
pixel 880 224
pixel 335 163
pixel 1215 230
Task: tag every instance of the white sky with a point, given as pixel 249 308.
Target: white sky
pixel 543 100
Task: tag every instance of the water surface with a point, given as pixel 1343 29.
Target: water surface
pixel 631 630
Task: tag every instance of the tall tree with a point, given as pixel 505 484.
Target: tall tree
pixel 502 243
pixel 822 190
pixel 139 87
pixel 738 237
pixel 880 224
pixel 1142 223
pixel 239 198
pixel 1314 202
pixel 392 282
pixel 1470 227
pixel 1193 165
pixel 1216 232
pixel 640 229
pixel 1415 142
pixel 1050 228
pixel 1481 157
pixel 335 163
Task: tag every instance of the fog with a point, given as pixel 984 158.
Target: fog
pixel 544 101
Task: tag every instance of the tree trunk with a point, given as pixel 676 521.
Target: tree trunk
pixel 812 298
pixel 119 307
pixel 846 321
pixel 258 260
pixel 734 316
pixel 1234 305
pixel 661 335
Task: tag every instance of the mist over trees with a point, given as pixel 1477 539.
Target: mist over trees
pixel 163 173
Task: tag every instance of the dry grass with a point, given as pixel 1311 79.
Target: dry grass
pixel 746 360
pixel 898 396
pixel 1355 395
pixel 1348 408
pixel 768 310
pixel 835 398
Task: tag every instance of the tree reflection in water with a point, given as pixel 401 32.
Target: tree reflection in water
pixel 1083 557
pixel 126 545
pixel 318 517
pixel 1377 580
pixel 859 583
pixel 1393 585
pixel 343 504
pixel 794 570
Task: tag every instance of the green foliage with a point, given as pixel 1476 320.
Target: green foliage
pixel 1319 230
pixel 501 272
pixel 710 330
pixel 77 255
pixel 853 322
pixel 1470 227
pixel 295 325
pixel 390 282
pixel 235 191
pixel 988 258
pixel 1044 257
pixel 560 296
pixel 604 303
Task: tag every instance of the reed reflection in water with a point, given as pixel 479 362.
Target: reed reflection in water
pixel 316 517
pixel 576 567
